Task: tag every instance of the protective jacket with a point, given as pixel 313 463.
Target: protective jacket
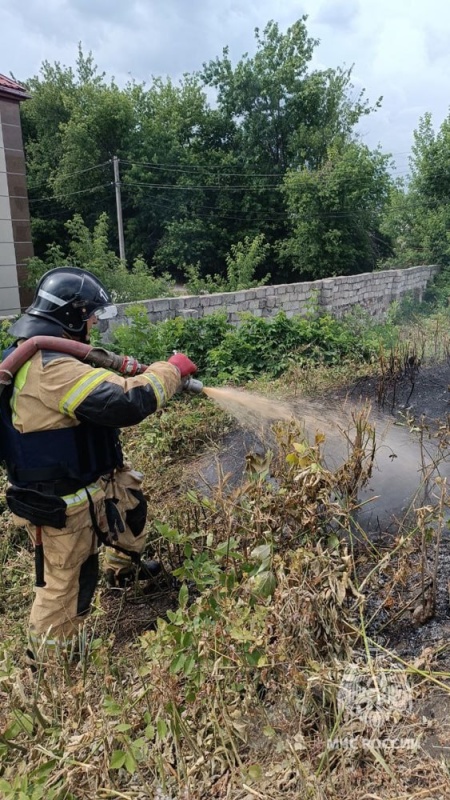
pixel 59 423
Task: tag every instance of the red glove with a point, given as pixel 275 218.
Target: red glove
pixel 183 364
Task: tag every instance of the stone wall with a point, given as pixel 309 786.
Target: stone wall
pixel 372 291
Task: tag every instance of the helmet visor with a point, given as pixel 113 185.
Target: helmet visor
pixel 106 312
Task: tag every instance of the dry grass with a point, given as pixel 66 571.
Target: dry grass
pixel 240 691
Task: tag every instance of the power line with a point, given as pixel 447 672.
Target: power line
pixel 175 187
pixel 223 187
pixel 337 213
pixel 209 171
pixel 70 175
pixel 183 169
pixel 408 205
pixel 70 194
pixel 63 212
pixel 280 216
pixel 180 187
pixel 212 170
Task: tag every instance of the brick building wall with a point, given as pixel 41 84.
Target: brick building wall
pixel 15 230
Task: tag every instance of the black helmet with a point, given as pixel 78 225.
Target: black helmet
pixel 69 296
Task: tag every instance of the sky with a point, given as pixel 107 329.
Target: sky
pixel 399 48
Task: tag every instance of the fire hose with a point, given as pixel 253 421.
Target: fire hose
pixel 97 356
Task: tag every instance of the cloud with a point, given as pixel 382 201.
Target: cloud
pixel 399 48
pixel 107 11
pixel 338 14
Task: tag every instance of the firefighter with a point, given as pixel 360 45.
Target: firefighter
pixel 70 486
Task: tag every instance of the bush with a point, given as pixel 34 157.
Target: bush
pixel 91 251
pixel 223 352
pixel 242 263
pixel 5 338
pixel 148 342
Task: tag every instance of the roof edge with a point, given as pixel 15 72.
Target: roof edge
pixel 9 88
pixel 13 94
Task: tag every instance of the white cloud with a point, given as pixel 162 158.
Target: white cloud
pixel 399 49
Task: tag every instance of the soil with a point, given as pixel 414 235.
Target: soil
pixel 134 609
pixel 421 391
pixel 422 394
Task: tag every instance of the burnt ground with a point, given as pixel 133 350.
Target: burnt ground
pixel 419 390
pixel 131 611
pixel 423 639
pixel 424 394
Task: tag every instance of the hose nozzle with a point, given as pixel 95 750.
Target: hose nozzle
pixel 192 385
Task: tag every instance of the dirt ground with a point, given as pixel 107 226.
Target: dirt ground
pixel 423 394
pixel 421 391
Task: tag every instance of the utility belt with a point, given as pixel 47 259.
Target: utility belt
pixel 40 509
pixel 45 504
pixel 60 487
pixel 49 510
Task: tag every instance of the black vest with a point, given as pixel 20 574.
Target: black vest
pixel 59 461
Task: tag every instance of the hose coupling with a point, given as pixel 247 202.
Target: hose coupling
pixel 192 385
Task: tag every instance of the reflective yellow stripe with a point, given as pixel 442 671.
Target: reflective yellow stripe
pixel 116 559
pixel 19 383
pixel 82 388
pixel 80 497
pixel 42 640
pixel 158 388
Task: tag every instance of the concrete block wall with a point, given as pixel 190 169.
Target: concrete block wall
pixel 372 291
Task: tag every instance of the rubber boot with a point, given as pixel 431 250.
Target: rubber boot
pixel 119 579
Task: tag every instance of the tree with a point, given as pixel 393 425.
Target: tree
pixel 286 117
pixel 196 178
pixel 90 250
pixel 335 213
pixel 418 216
pixel 166 211
pixel 74 123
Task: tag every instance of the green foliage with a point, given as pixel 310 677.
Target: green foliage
pixel 149 342
pixel 335 213
pixel 75 121
pixel 90 251
pixel 271 345
pixel 242 263
pixel 195 284
pixel 183 429
pixel 5 339
pixel 286 115
pixel 418 217
pixel 197 174
pixel 224 352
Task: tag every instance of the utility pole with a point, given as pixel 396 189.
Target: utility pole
pixel 119 208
